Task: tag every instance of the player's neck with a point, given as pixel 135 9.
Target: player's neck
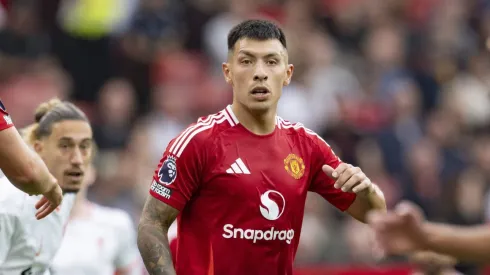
pixel 81 207
pixel 257 123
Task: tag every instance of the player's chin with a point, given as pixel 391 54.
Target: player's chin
pixel 70 190
pixel 260 105
pixel 71 187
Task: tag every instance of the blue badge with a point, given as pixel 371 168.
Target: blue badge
pixel 168 171
pixel 2 107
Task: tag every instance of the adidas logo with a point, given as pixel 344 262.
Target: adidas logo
pixel 238 167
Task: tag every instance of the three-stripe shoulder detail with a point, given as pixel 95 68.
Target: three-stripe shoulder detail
pixel 284 124
pixel 203 124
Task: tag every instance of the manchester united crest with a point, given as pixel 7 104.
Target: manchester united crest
pixel 295 166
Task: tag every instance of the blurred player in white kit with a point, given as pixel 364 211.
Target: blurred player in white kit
pixel 98 240
pixel 62 136
pixel 25 169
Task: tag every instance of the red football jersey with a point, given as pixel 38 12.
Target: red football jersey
pixel 5 120
pixel 241 196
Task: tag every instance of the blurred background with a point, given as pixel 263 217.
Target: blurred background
pixel 397 87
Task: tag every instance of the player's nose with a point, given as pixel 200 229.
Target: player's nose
pixel 76 158
pixel 260 74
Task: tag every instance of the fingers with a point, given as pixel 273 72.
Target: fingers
pixel 45 209
pixel 41 202
pixel 383 222
pixel 327 169
pixel 348 177
pixel 49 202
pixel 365 184
pixel 357 183
pixel 378 251
pixel 335 173
pixel 344 177
pixel 351 177
pixel 42 214
pixel 405 208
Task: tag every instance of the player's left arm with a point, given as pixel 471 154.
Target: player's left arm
pixel 352 179
pixel 128 260
pixel 344 186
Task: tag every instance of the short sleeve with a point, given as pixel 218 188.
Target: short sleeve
pixel 5 119
pixel 323 184
pixel 178 174
pixel 128 254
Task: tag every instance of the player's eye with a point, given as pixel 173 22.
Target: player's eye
pixel 64 146
pixel 271 62
pixel 85 148
pixel 246 62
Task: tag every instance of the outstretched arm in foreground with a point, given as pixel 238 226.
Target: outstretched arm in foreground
pixel 467 244
pixel 404 230
pixel 27 171
pixel 152 236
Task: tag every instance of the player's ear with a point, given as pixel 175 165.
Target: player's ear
pixel 226 72
pixel 38 146
pixel 289 74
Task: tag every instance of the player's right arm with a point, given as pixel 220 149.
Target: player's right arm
pixel 175 181
pixel 25 169
pixel 152 236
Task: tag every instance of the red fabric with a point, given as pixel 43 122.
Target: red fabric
pixel 5 4
pixel 5 119
pixel 355 270
pixel 241 196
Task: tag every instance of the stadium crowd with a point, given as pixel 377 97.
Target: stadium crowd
pixel 400 88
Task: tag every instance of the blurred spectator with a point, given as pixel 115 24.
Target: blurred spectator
pixel 422 183
pixel 116 112
pixel 21 40
pixel 371 161
pixel 156 27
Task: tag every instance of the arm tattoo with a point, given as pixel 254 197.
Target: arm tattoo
pixel 152 236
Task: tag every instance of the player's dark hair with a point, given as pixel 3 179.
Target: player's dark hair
pixel 255 29
pixel 49 113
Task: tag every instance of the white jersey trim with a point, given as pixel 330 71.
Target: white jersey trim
pixel 209 122
pixel 283 124
pixel 178 141
pixel 229 110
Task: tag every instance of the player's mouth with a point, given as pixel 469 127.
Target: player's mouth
pixel 260 93
pixel 75 175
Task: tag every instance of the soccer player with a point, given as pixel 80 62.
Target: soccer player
pixel 238 179
pixel 62 137
pixel 98 240
pixel 404 230
pixel 25 169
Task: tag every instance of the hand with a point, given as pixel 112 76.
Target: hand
pixel 49 202
pixel 431 262
pixel 350 179
pixel 400 231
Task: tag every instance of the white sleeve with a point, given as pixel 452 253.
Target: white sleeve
pixel 7 231
pixel 128 257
